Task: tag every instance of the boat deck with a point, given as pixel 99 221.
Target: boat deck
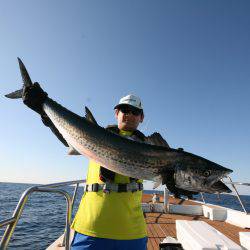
pixel 161 225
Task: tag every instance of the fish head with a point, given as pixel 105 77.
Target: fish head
pixel 205 178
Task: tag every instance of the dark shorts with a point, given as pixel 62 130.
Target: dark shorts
pixel 85 242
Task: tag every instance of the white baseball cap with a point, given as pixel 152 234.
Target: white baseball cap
pixel 130 100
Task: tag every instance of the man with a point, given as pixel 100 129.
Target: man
pixel 155 198
pixel 110 214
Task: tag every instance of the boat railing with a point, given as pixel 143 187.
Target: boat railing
pixel 48 188
pixel 233 184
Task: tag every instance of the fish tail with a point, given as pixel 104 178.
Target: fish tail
pixel 15 95
pixel 26 82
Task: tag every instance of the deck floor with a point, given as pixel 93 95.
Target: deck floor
pixel 160 225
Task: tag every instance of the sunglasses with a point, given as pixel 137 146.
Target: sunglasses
pixel 127 110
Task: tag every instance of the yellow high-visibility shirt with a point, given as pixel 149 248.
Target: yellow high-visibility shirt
pixel 115 215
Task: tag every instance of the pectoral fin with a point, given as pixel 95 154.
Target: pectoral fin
pixel 73 151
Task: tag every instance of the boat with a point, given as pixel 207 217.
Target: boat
pixel 172 223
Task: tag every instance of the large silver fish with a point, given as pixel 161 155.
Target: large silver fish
pixel 131 158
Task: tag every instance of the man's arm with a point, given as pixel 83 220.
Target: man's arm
pixel 48 123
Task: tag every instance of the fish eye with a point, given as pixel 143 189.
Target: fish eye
pixel 207 173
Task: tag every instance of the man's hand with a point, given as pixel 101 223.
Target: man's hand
pixel 34 97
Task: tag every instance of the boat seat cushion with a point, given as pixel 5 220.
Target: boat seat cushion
pixel 199 235
pixel 245 239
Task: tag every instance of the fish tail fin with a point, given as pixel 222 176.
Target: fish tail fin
pixel 26 82
pixel 15 95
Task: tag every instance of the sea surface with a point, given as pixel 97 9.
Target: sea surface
pixel 44 215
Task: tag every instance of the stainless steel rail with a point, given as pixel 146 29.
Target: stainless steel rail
pixel 48 188
pixel 237 183
pixel 51 188
pixel 202 197
pixel 236 191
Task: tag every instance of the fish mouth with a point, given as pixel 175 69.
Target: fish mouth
pixel 220 187
pixel 215 185
pixel 200 183
pixel 227 172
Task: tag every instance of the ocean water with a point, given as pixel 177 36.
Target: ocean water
pixel 44 215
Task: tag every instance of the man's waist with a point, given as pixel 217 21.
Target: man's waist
pixel 114 187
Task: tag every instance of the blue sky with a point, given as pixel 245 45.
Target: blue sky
pixel 189 61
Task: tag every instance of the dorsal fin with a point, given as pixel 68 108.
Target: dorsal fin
pixel 157 139
pixel 89 116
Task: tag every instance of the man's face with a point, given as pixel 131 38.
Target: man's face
pixel 127 118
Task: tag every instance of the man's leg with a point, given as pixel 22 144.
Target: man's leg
pixel 85 242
